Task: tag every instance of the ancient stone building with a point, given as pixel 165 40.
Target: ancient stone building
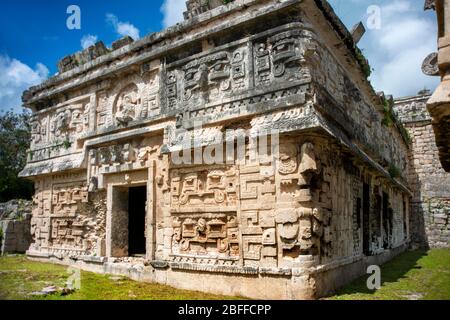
pixel 430 204
pixel 293 214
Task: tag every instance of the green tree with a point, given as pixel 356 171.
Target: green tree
pixel 15 136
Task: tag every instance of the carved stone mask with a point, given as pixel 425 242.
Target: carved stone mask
pixel 287 163
pixel 308 163
pixel 201 225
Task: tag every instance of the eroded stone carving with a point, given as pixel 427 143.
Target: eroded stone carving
pixel 128 106
pixel 67 197
pixel 66 220
pixel 201 236
pixel 430 65
pixel 207 78
pixel 288 159
pixel 281 57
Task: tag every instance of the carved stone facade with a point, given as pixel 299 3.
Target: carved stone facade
pixel 284 216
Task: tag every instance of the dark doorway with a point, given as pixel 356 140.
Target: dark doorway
pixel 387 221
pixel 366 219
pixel 136 220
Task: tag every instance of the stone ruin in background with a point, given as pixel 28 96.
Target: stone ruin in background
pixel 15 216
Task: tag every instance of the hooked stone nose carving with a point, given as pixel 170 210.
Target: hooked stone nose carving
pixel 308 163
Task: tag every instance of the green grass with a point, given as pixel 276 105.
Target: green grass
pixel 412 275
pixel 422 275
pixel 20 277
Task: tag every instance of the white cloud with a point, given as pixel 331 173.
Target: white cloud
pixel 88 40
pixel 397 50
pixel 173 12
pixel 404 33
pixel 15 77
pixel 396 7
pixel 123 28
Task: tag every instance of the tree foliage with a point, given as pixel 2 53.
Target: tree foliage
pixel 15 136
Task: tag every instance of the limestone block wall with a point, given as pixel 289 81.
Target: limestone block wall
pixel 15 236
pixel 430 183
pixel 15 218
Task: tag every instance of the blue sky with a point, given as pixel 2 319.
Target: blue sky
pixel 34 36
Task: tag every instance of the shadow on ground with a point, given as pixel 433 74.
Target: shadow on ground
pixel 391 272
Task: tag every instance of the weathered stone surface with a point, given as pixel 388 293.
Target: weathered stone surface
pixel 82 57
pixel 15 218
pixel 430 65
pixel 322 200
pixel 430 206
pixel 196 7
pixel 122 42
pixel 15 210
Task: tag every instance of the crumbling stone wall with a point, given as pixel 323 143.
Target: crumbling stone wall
pixel 66 219
pixel 430 204
pixel 15 218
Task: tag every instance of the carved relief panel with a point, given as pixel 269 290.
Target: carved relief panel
pixel 72 119
pixel 203 207
pixel 133 98
pixel 302 215
pixel 281 57
pixel 138 150
pixel 200 190
pixel 39 129
pixel 361 119
pixel 210 234
pixel 63 218
pixel 67 197
pixel 137 100
pixel 40 222
pixel 67 233
pixel 40 232
pixel 206 78
pixel 102 110
pixel 53 134
pixel 257 219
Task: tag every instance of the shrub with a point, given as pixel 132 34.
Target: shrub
pixel 394 172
